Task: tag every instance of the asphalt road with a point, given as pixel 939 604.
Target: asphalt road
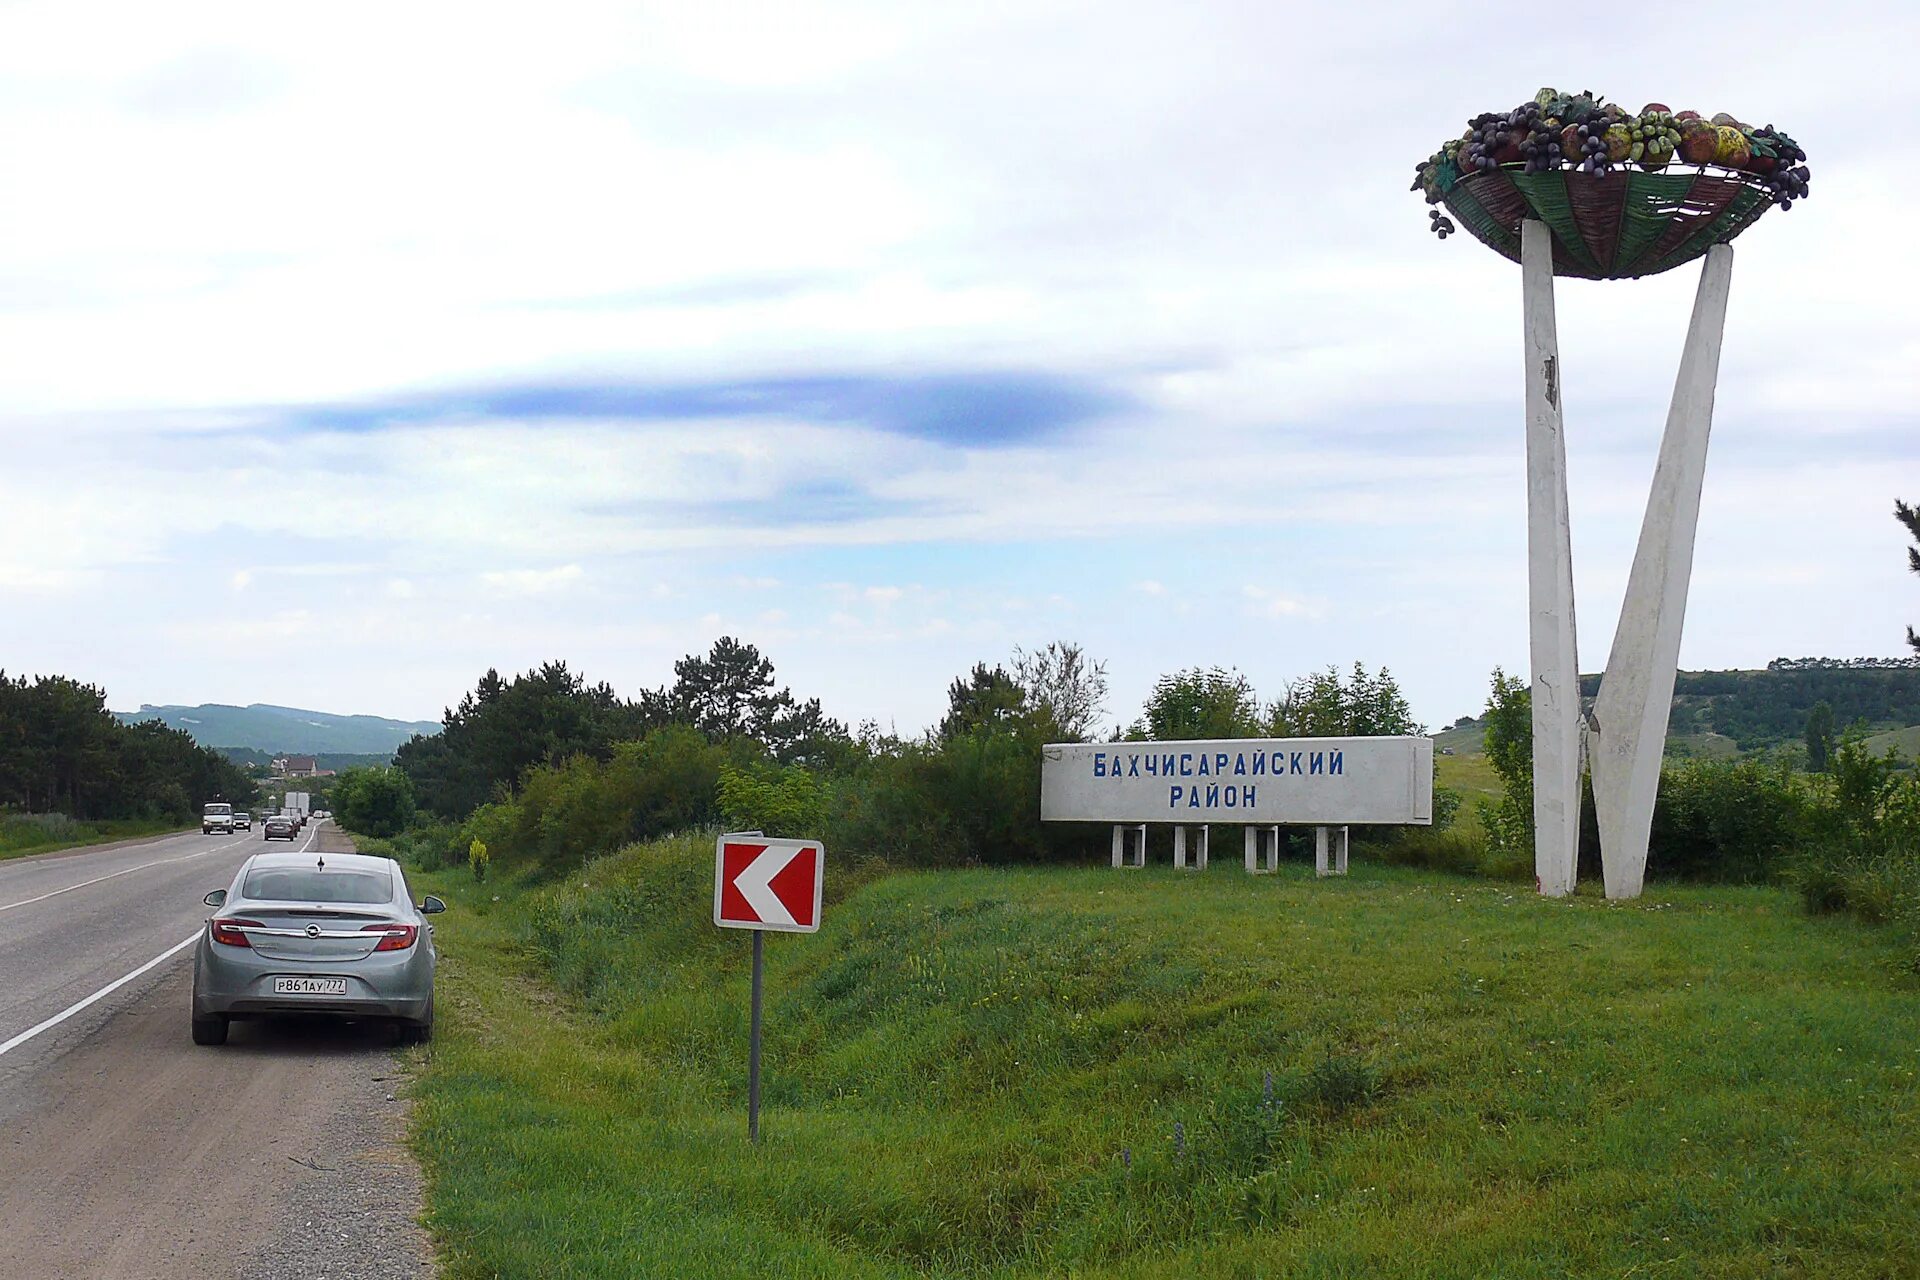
pixel 126 1150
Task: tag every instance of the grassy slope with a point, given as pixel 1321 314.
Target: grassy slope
pixel 19 839
pixel 1905 741
pixel 961 1065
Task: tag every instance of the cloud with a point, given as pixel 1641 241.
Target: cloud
pixel 967 408
pixel 1263 603
pixel 532 582
pixel 676 295
pixel 242 579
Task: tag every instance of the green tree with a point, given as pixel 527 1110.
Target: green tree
pixel 504 728
pixel 1322 705
pixel 374 802
pixel 1064 685
pixel 1313 707
pixel 730 693
pixel 1909 517
pixel 783 801
pixel 1509 748
pixel 1819 736
pixel 985 698
pixel 1203 702
pixel 62 751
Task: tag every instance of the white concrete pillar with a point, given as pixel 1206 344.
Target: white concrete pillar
pixel 1119 845
pixel 1636 695
pixel 1201 846
pixel 1130 845
pixel 1555 660
pixel 1262 849
pixel 1179 848
pixel 1330 851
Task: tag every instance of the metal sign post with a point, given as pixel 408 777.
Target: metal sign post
pixel 753 1038
pixel 762 885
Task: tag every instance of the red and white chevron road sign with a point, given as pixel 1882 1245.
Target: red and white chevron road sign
pixel 767 884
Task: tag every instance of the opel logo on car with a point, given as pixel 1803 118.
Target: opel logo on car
pixel 313 931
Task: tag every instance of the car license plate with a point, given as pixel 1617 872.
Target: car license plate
pixel 309 986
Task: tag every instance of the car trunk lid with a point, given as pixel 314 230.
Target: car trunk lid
pixel 316 934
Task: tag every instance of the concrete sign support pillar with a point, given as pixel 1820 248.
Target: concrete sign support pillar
pixel 1263 847
pixel 1630 715
pixel 1130 845
pixel 1556 668
pixel 1636 695
pixel 1199 848
pixel 1330 854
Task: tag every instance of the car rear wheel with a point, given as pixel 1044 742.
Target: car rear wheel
pixel 418 1032
pixel 211 1029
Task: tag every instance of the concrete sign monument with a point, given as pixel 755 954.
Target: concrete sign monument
pixel 1258 783
pixel 1568 184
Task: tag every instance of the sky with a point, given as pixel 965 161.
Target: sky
pixel 351 350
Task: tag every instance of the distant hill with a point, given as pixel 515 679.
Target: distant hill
pixel 1769 708
pixel 1723 713
pixel 285 730
pixel 331 760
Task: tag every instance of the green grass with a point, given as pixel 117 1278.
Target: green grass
pixel 1473 777
pixel 983 1073
pixel 21 834
pixel 1906 741
pixel 1703 746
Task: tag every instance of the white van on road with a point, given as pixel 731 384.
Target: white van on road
pixel 216 817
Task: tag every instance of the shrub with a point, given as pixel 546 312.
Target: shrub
pixel 1437 849
pixel 973 798
pixel 374 802
pixel 1861 850
pixel 1733 821
pixel 781 801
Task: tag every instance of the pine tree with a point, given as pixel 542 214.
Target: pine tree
pixel 1910 517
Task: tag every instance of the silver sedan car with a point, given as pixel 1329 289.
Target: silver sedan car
pixel 331 933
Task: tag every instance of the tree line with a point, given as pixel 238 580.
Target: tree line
pixel 62 751
pixel 550 767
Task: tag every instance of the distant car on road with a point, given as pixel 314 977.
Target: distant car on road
pixel 334 933
pixel 278 827
pixel 216 817
pixel 242 821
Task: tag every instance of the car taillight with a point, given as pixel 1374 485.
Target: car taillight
pixel 399 936
pixel 227 930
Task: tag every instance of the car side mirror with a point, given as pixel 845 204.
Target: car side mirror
pixel 215 898
pixel 432 906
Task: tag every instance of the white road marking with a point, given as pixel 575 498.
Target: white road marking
pixel 60 1017
pixel 159 862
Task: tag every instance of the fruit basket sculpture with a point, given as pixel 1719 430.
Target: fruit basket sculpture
pixel 1624 194
pixel 1569 185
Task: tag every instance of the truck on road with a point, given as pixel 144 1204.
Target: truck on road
pixel 216 816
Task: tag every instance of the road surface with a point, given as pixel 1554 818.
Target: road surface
pixel 128 1152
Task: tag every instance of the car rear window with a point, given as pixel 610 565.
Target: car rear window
pixel 213 810
pixel 314 884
